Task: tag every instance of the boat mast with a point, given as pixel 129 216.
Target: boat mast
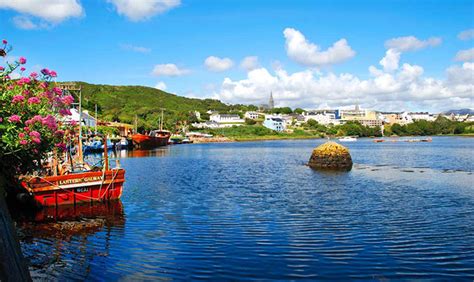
pixel 95 119
pixel 136 124
pixel 161 121
pixel 81 157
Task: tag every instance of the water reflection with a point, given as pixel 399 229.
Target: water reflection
pixel 68 239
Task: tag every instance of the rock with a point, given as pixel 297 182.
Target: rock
pixel 331 156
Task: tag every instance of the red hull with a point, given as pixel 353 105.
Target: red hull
pixel 76 188
pixel 146 141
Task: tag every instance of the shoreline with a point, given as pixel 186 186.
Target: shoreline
pixel 224 139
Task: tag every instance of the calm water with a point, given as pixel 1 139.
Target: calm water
pixel 254 211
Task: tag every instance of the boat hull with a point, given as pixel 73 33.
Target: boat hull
pixel 143 141
pixel 76 188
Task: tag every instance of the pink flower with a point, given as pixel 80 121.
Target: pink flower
pixel 50 122
pixel 1 119
pixel 22 69
pixel 23 80
pixel 36 140
pixel 21 135
pixel 23 142
pixel 53 73
pixel 35 134
pixel 59 133
pixel 65 112
pixel 44 85
pixel 61 146
pixel 14 118
pixel 1 68
pixel 57 90
pixel 26 128
pixel 4 41
pixel 18 99
pixel 33 75
pixel 22 60
pixel 34 100
pixel 67 100
pixel 45 71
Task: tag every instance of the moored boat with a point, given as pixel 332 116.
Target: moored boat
pixel 347 139
pixel 155 138
pixel 75 188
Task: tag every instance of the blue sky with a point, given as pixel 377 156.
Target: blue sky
pixel 108 42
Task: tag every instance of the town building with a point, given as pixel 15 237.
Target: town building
pixel 401 118
pixel 87 120
pixel 251 115
pixel 421 116
pixel 274 123
pixel 364 117
pixel 325 117
pixel 226 118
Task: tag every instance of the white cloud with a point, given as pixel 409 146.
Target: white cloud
pixel 51 11
pixel 161 85
pixel 411 43
pixel 138 49
pixel 169 70
pixel 465 55
pixel 466 35
pixel 249 63
pixel 25 22
pixel 139 10
pixel 217 64
pixel 390 61
pixel 299 49
pixel 403 88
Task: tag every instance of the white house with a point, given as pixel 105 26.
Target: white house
pixel 324 117
pixel 274 123
pixel 87 120
pixel 226 118
pixel 421 116
pixel 251 115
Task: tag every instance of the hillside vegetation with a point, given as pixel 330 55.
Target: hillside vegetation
pixel 122 103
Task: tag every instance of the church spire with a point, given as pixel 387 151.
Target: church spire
pixel 271 103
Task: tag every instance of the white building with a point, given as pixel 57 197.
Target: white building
pixel 251 115
pixel 274 123
pixel 324 117
pixel 226 118
pixel 421 116
pixel 213 124
pixel 87 120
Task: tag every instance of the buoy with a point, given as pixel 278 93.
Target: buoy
pixel 331 156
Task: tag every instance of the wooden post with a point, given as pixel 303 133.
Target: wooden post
pixel 12 263
pixel 106 154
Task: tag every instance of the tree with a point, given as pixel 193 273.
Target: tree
pixel 298 111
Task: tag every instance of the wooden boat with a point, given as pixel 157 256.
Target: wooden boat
pixel 155 138
pixel 75 188
pixel 348 139
pixel 379 140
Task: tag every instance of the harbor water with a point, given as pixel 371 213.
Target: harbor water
pixel 255 211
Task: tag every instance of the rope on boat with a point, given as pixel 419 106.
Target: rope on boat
pixel 91 198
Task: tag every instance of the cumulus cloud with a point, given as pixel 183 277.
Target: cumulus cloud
pixel 169 70
pixel 390 61
pixel 465 55
pixel 139 10
pixel 398 89
pixel 411 43
pixel 161 85
pixel 249 63
pixel 134 48
pixel 466 34
pixel 299 49
pixel 48 11
pixel 217 64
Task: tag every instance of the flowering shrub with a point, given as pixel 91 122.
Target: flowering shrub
pixel 31 107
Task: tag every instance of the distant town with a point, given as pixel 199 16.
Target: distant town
pixel 327 117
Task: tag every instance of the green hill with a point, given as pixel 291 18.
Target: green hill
pixel 122 103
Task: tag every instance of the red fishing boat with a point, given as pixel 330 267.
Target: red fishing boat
pixel 155 138
pixel 76 188
pixel 77 183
